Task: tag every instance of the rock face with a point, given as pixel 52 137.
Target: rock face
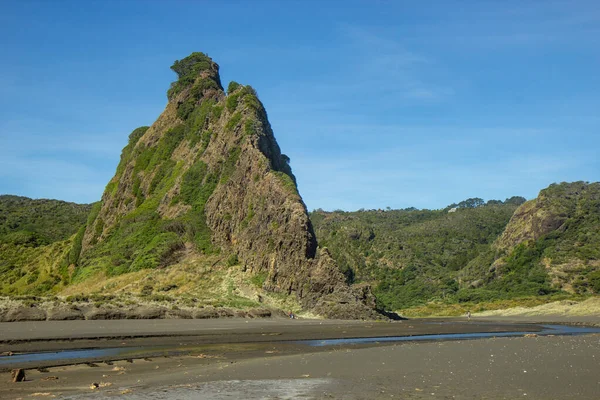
pixel 209 177
pixel 24 314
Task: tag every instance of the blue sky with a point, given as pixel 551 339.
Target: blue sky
pixel 377 103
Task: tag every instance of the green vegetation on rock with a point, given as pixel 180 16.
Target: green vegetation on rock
pixel 188 70
pixel 410 256
pixel 556 235
pixel 206 192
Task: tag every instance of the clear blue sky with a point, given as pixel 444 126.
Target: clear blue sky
pixel 377 103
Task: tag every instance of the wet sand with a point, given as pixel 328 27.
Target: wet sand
pixel 257 359
pixel 58 335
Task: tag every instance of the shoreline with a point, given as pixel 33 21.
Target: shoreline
pixel 55 335
pixel 257 358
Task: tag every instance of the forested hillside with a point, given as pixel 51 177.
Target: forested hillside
pixel 472 252
pixel 36 242
pixel 553 239
pixel 39 222
pixel 411 256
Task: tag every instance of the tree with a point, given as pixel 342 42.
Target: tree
pixel 471 203
pixel 516 200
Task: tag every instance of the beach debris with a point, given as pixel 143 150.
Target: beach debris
pixel 42 394
pixel 530 335
pixel 91 364
pixel 108 362
pixel 97 385
pixel 202 355
pixel 7 353
pixel 306 376
pixel 129 360
pixel 50 378
pixel 126 391
pixel 44 370
pixel 119 370
pixel 18 375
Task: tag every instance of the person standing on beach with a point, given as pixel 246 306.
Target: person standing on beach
pixel 469 315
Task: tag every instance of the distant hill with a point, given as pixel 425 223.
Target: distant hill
pixel 412 256
pixel 36 242
pixel 40 222
pixel 472 251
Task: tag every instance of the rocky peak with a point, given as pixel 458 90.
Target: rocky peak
pixel 208 176
pixel 196 74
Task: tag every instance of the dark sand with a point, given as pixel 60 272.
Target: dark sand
pixel 227 359
pixel 55 335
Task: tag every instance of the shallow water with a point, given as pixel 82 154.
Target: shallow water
pixel 133 352
pixel 548 330
pixel 83 354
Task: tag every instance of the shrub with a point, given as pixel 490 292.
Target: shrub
pixel 232 260
pixel 594 280
pixel 232 87
pixel 259 279
pixel 187 70
pixel 286 181
pixel 147 290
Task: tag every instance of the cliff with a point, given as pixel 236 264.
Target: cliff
pixel 207 178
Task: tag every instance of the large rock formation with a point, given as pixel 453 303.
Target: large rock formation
pixel 209 177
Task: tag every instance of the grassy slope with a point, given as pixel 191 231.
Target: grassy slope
pixel 36 237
